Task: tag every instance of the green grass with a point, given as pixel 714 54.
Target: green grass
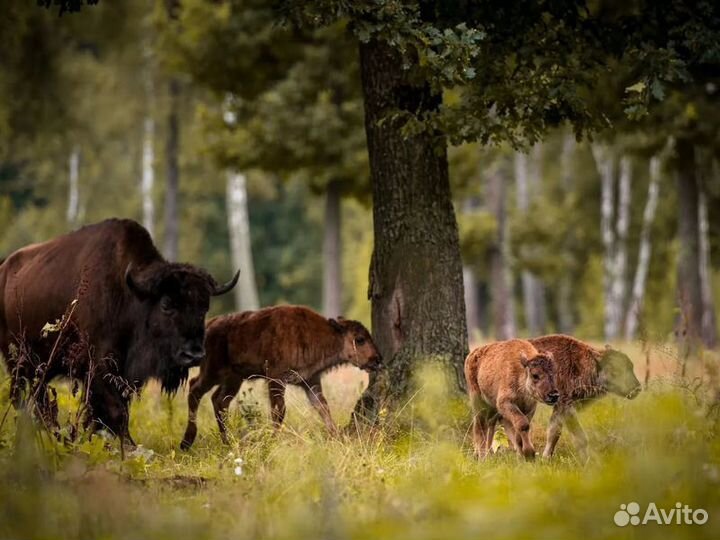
pixel 413 478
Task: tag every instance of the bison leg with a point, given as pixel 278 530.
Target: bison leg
pixel 221 401
pixel 578 433
pixel 479 435
pixel 313 390
pixel 199 386
pixel 276 390
pixel 553 432
pixel 520 425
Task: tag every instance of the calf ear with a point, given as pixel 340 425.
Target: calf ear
pixel 336 326
pixel 523 359
pixel 548 354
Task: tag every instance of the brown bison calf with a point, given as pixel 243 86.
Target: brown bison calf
pixel 505 381
pixel 583 373
pixel 285 345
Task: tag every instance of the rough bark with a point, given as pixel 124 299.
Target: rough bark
pixel 416 286
pixel 709 321
pixel 632 318
pixel 73 207
pixel 500 277
pixel 689 290
pixel 172 185
pixel 332 252
pixel 246 295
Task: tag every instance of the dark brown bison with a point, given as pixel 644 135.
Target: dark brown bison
pixel 505 381
pixel 583 373
pixel 127 316
pixel 285 345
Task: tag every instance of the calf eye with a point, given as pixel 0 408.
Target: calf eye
pixel 360 341
pixel 536 377
pixel 166 305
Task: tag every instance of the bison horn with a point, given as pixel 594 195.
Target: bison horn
pixel 222 289
pixel 133 285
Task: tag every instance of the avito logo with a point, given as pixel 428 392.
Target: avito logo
pixel 629 514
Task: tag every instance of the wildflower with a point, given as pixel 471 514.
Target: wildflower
pixel 238 466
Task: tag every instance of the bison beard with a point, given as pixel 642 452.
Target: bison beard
pixel 136 317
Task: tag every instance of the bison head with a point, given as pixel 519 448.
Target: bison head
pixel 617 374
pixel 358 346
pixel 540 380
pixel 174 298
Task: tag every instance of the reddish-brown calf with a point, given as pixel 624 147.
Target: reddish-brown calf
pixel 285 345
pixel 505 381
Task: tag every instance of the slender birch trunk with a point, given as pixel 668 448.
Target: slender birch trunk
pixel 632 317
pixel 472 312
pixel 147 181
pixel 606 167
pixel 73 207
pixel 172 187
pixel 332 252
pixel 527 179
pixel 246 295
pixel 709 321
pixel 618 289
pixel 566 318
pixel 501 281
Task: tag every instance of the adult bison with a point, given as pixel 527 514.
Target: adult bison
pixel 125 315
pixel 283 344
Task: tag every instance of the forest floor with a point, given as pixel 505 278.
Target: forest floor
pixel 414 478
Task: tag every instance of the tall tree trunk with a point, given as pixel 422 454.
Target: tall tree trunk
pixel 246 295
pixel 332 251
pixel 73 207
pixel 689 287
pixel 618 288
pixel 605 162
pixel 566 317
pixel 416 286
pixel 500 278
pixel 172 186
pixel 709 321
pixel 632 317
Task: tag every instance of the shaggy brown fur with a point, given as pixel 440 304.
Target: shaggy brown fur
pixel 137 316
pixel 505 381
pixel 286 345
pixel 583 373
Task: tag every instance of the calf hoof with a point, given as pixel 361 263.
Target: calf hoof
pixel 529 454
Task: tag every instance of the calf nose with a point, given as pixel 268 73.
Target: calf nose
pixel 552 397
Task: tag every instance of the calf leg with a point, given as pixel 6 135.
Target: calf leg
pixel 313 390
pixel 221 401
pixel 520 424
pixel 276 391
pixel 578 433
pixel 198 387
pixel 553 432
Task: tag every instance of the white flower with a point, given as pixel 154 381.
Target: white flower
pixel 238 470
pixel 239 461
pixel 381 471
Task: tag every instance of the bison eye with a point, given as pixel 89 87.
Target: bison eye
pixel 360 341
pixel 167 306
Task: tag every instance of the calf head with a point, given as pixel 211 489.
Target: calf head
pixel 540 373
pixel 358 347
pixel 174 299
pixel 616 373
